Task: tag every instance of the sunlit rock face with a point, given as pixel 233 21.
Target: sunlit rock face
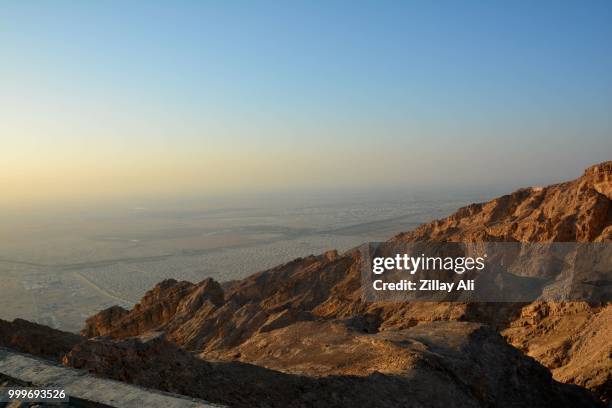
pixel 306 320
pixel 575 211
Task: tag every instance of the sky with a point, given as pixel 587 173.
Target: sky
pixel 108 100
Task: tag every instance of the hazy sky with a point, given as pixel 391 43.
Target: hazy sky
pixel 111 99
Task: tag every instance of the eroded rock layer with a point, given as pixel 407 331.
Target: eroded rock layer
pixel 303 328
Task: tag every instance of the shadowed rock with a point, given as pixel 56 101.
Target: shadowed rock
pixel 37 339
pixel 431 365
pixel 327 288
pixel 301 335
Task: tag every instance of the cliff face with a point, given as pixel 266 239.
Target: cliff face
pixel 269 306
pixel 574 340
pixel 576 211
pixel 306 319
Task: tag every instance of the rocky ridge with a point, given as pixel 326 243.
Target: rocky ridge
pixel 305 323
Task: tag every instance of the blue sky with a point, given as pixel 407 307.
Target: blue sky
pixel 173 97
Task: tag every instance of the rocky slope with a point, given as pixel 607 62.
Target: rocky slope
pixel 216 321
pixel 325 364
pixel 574 340
pixel 577 211
pixel 37 339
pixel 430 365
pixel 306 321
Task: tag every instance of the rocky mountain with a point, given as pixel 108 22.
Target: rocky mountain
pixel 577 211
pixel 326 364
pixel 301 332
